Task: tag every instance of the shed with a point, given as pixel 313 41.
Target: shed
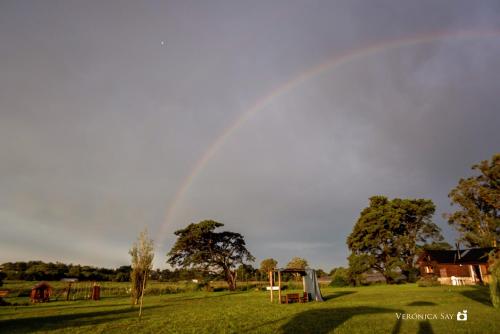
pixel 41 293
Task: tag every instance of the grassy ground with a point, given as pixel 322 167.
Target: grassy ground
pixel 346 310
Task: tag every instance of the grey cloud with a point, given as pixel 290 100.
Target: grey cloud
pixel 100 124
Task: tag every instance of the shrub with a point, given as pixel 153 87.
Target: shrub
pixel 427 281
pixel 495 282
pixel 293 285
pixel 192 287
pixel 24 293
pixel 413 275
pixel 246 287
pixel 340 277
pixel 153 291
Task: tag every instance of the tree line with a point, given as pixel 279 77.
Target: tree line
pixel 48 271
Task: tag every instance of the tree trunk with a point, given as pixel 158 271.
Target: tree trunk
pixel 231 279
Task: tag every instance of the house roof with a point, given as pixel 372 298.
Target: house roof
pixel 471 255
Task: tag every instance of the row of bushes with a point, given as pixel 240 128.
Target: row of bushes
pixel 344 277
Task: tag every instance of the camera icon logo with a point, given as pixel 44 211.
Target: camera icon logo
pixel 462 316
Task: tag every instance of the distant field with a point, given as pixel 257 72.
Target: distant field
pixel 371 309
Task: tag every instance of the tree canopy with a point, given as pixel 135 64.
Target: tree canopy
pixel 198 246
pixel 267 265
pixel 297 263
pixel 439 245
pixel 478 199
pixel 390 232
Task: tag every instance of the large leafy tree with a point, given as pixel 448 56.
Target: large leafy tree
pixel 388 234
pixel 478 198
pixel 198 246
pixel 416 229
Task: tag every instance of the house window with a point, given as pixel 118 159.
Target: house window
pixel 429 269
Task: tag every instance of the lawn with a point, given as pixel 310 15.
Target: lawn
pixel 371 309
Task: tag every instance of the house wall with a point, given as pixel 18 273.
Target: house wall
pixel 485 272
pixel 448 270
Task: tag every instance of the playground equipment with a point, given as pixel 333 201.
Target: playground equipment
pixel 82 290
pixel 41 293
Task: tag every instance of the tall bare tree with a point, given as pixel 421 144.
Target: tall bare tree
pixel 142 254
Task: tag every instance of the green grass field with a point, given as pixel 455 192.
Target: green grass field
pixel 346 310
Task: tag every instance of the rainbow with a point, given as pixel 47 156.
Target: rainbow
pixel 331 64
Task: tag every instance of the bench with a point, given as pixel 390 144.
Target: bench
pixel 292 298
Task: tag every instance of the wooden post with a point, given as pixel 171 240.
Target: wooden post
pixel 279 286
pixel 271 283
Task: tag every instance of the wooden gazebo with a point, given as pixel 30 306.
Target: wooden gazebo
pixel 310 286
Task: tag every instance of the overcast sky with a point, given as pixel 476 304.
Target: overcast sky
pixel 107 106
